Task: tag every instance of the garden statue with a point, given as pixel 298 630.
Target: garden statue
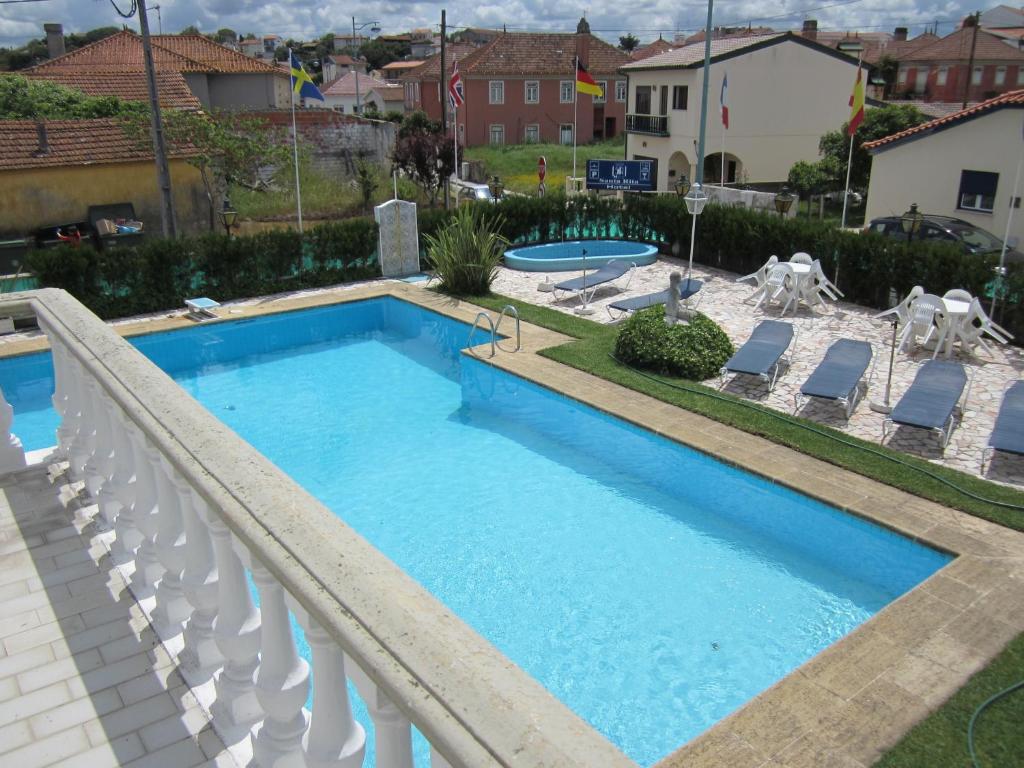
pixel 672 307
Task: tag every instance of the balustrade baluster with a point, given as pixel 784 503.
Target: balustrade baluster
pixel 146 513
pixel 124 482
pixel 334 738
pixel 61 400
pixel 112 466
pixel 392 730
pixel 172 609
pixel 99 467
pixel 83 441
pixel 12 455
pixel 282 680
pixel 236 630
pixel 199 581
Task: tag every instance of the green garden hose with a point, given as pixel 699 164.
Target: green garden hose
pixel 970 726
pixel 810 428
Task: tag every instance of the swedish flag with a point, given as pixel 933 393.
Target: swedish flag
pixel 302 83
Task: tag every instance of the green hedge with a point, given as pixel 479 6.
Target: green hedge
pixel 160 274
pixel 870 266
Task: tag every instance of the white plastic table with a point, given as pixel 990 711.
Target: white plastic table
pixel 956 313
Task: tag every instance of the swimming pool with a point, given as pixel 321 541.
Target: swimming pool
pixel 649 587
pixel 556 257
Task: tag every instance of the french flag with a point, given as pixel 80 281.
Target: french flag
pixel 725 107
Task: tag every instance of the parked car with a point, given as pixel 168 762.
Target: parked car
pixel 856 198
pixel 971 238
pixel 468 191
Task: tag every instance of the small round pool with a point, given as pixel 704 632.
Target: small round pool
pixel 561 257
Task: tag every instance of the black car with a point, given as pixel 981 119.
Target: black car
pixel 947 228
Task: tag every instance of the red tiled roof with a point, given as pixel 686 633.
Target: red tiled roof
pixel 932 109
pixel 873 43
pixel 346 84
pixel 723 33
pixel 72 142
pixel 122 52
pixel 652 49
pixel 431 68
pixel 690 55
pixel 341 58
pixel 516 54
pixel 900 48
pixel 390 92
pixel 956 46
pixel 400 65
pixel 130 86
pixel 1012 98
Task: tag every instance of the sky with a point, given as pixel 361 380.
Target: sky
pixel 309 19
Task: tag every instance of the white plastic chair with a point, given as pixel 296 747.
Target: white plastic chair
pixel 815 284
pixel 902 310
pixel 975 325
pixel 927 317
pixel 781 287
pixel 760 276
pixel 801 258
pixel 958 294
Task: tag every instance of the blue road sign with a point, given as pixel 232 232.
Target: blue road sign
pixel 635 175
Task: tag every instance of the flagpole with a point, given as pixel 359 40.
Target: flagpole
pixel 455 133
pixel 849 163
pixel 1001 270
pixel 295 144
pixel 575 98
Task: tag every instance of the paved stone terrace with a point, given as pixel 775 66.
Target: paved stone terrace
pixel 723 301
pixel 84 680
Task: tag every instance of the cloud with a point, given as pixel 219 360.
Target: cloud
pixel 309 19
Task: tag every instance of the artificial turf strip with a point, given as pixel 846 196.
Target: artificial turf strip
pixel 592 353
pixel 940 741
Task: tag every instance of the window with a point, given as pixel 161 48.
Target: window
pixel 940 78
pixel 921 79
pixel 603 85
pixel 1000 75
pixel 565 133
pixel 565 91
pixel 497 134
pixel 497 92
pixel 976 75
pixel 643 100
pixel 620 89
pixel 977 191
pixel 533 91
pixel 532 135
pixel 1020 75
pixel 902 77
pixel 664 100
pixel 680 95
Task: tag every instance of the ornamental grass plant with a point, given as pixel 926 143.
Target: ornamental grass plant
pixel 467 251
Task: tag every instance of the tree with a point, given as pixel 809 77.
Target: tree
pixel 379 52
pixel 888 67
pixel 281 53
pixel 419 147
pixel 366 181
pixel 628 42
pixel 191 29
pixel 807 179
pixel 226 35
pixel 878 123
pixel 24 99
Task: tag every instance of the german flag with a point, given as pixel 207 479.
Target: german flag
pixel 585 83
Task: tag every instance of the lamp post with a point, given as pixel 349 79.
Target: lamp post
pixel 682 185
pixel 695 200
pixel 228 216
pixel 910 221
pixel 374 28
pixel 783 201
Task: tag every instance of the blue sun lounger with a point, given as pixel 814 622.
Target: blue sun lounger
pixel 838 375
pixel 1008 434
pixel 931 399
pixel 687 289
pixel 762 353
pixel 587 285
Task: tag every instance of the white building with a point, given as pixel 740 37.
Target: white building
pixel 341 94
pixel 962 165
pixel 784 92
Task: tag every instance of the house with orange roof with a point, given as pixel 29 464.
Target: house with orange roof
pixel 520 88
pixel 131 86
pixel 218 77
pixel 393 71
pixel 339 64
pixel 341 94
pixel 652 49
pixel 960 165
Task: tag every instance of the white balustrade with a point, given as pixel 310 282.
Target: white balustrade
pixel 127 536
pixel 113 466
pixel 199 582
pixel 148 569
pixel 12 455
pixel 63 389
pixel 172 609
pixel 436 759
pixel 334 738
pixel 236 630
pixel 99 466
pixel 392 729
pixel 82 442
pixel 282 680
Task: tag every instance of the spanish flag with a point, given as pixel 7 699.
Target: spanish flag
pixel 856 103
pixel 585 83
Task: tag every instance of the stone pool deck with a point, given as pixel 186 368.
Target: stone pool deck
pixel 78 658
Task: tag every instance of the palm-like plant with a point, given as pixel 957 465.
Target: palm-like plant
pixel 467 252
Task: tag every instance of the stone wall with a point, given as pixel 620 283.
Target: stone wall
pixel 336 141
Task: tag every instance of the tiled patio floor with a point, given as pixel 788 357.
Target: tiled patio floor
pixel 84 680
pixel 724 302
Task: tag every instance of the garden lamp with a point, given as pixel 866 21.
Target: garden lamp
pixel 228 216
pixel 497 187
pixel 783 201
pixel 910 221
pixel 695 200
pixel 682 185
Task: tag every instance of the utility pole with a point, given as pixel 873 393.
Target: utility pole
pixel 355 69
pixel 970 64
pixel 163 173
pixel 443 91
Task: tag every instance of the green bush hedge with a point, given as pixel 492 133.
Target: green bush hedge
pixel 160 274
pixel 695 351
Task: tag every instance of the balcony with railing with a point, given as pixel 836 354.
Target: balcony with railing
pixel 653 125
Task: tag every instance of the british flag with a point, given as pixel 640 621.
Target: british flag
pixel 456 97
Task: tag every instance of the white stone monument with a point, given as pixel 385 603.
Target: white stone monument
pixel 399 239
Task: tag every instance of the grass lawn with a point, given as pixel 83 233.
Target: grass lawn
pixel 940 741
pixel 516 164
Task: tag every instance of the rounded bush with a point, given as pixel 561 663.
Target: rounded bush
pixel 695 351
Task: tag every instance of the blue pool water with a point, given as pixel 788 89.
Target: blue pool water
pixel 562 256
pixel 649 587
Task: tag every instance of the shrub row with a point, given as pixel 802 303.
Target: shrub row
pixel 160 274
pixel 870 267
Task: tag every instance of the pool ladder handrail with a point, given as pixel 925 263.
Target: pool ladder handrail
pixel 507 309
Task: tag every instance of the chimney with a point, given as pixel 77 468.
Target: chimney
pixel 583 42
pixel 54 40
pixel 44 144
pixel 810 30
pixel 899 34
